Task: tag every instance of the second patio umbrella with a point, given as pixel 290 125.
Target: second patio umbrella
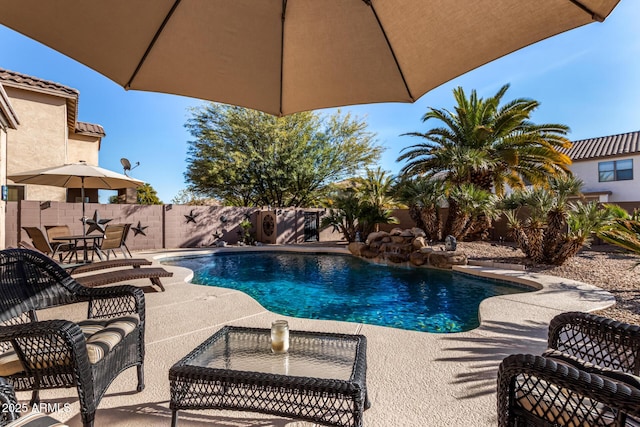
pixel 76 175
pixel 284 56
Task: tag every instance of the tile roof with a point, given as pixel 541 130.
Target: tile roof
pixel 604 146
pixel 12 78
pixel 24 81
pixel 90 129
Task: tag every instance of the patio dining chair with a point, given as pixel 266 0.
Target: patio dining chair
pixel 42 243
pixel 89 354
pixel 114 238
pixel 39 240
pixel 588 376
pixel 54 231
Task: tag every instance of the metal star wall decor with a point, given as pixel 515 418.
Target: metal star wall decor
pixel 97 224
pixel 139 229
pixel 191 217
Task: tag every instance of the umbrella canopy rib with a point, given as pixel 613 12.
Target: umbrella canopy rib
pixel 153 42
pixel 284 11
pixel 594 15
pixel 393 53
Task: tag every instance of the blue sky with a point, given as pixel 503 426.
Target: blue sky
pixel 587 78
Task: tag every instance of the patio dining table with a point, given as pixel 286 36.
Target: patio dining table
pixel 86 239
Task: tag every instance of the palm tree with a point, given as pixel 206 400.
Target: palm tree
pixel 375 187
pixel 424 198
pixel 351 213
pixel 624 232
pixel 555 229
pixel 489 145
pixel 476 210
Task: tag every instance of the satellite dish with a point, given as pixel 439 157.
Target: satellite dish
pixel 126 165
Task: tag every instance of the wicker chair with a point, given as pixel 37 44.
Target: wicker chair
pixel 586 377
pixel 37 355
pixel 14 414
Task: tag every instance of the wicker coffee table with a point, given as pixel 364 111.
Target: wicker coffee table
pixel 321 379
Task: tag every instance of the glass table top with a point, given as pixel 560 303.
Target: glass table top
pixel 318 356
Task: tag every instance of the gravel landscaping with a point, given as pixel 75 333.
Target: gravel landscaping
pixel 605 266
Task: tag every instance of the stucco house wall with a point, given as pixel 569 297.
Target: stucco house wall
pixel 83 147
pixel 618 191
pixel 41 139
pixel 587 154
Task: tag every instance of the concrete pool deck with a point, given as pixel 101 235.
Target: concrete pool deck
pixel 413 378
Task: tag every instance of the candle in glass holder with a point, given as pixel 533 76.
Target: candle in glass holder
pixel 280 336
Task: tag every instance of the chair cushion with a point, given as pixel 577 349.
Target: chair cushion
pixel 101 335
pixel 36 419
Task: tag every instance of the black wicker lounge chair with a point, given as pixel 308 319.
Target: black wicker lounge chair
pixel 14 414
pixel 588 376
pixel 37 355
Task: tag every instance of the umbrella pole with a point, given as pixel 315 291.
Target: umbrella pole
pixel 84 220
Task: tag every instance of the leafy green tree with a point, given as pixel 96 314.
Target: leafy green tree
pixel 188 197
pixel 146 195
pixel 488 145
pixel 248 158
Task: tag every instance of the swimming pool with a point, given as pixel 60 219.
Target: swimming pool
pixel 342 287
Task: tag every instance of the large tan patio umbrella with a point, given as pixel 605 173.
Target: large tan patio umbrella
pixel 284 56
pixel 77 175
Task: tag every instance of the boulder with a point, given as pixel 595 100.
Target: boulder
pixel 375 245
pixel 396 231
pixel 418 232
pixel 447 259
pixel 407 233
pixel 368 253
pixel 397 258
pixel 372 237
pixel 397 239
pixel 417 258
pixel 426 250
pixel 356 248
pixel 419 243
pixel 386 239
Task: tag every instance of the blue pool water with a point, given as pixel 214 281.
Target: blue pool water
pixel 338 287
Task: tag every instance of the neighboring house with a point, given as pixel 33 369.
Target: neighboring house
pixel 609 166
pixel 49 135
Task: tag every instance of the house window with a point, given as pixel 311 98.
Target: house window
pixel 616 170
pixel 15 193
